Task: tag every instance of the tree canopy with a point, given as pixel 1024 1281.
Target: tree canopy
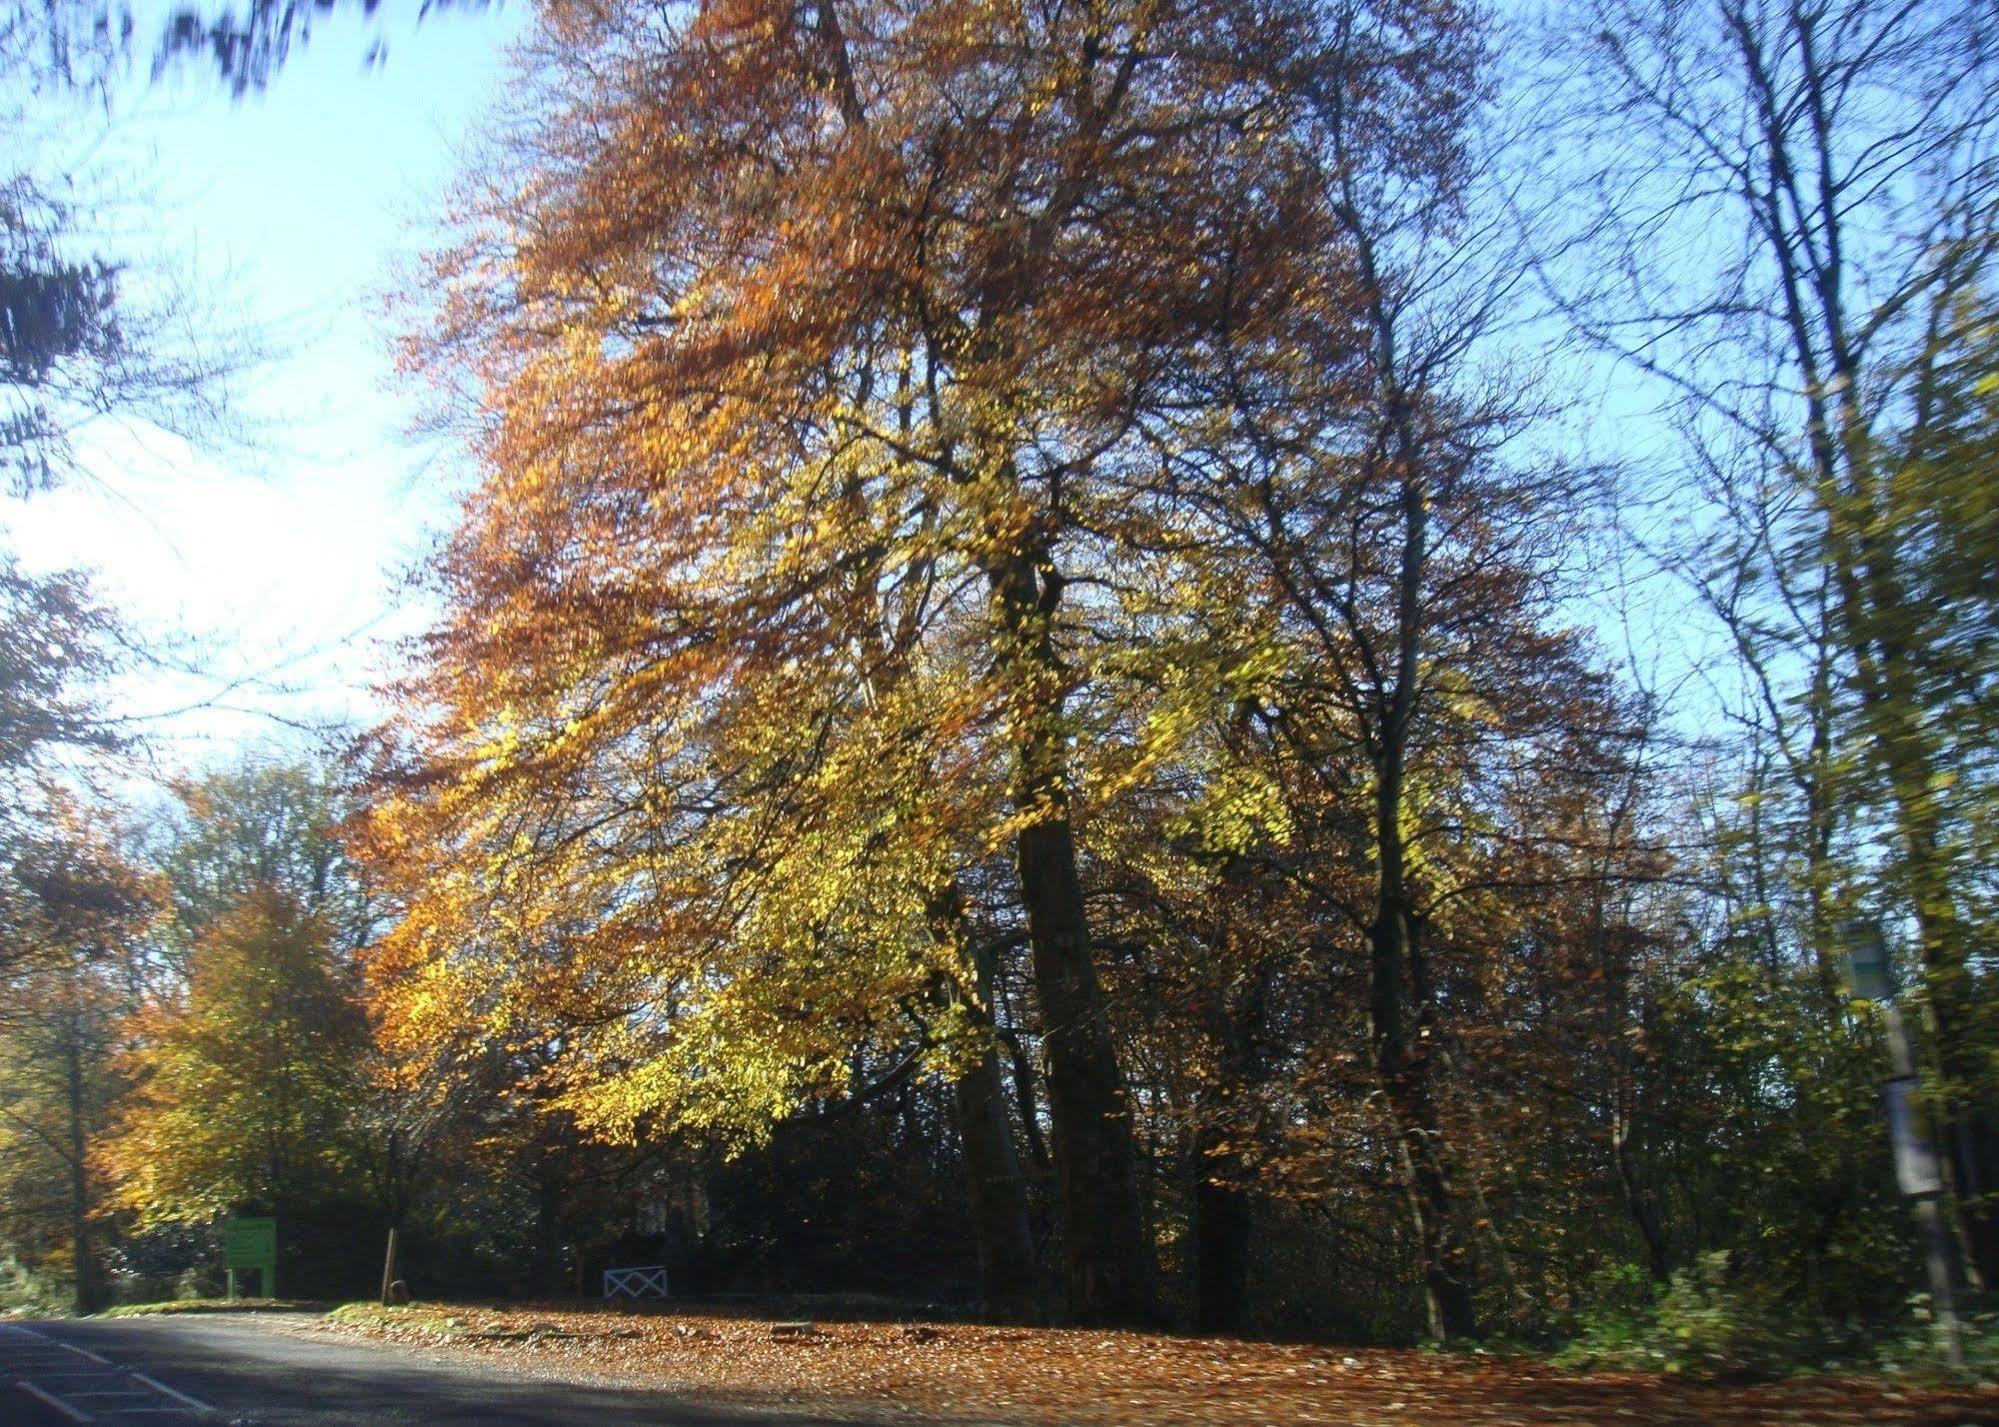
pixel 1033 698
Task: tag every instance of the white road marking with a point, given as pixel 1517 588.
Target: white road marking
pixel 194 1402
pixel 74 1414
pixel 46 1370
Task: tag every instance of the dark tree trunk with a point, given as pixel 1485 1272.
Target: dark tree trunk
pixel 996 1193
pixel 1404 1067
pixel 1223 1205
pixel 1402 1006
pixel 548 1230
pixel 1400 1013
pixel 1974 1163
pixel 1643 1206
pixel 998 1198
pixel 1107 1264
pixel 1222 1221
pixel 1026 1099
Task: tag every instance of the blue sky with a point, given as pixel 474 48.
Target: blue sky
pixel 269 566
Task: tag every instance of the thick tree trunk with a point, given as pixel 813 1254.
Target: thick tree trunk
pixel 1621 1029
pixel 548 1231
pixel 1107 1263
pixel 996 1193
pixel 1224 1209
pixel 1404 1070
pixel 1641 1204
pixel 998 1198
pixel 1974 1163
pixel 1222 1224
pixel 1404 1063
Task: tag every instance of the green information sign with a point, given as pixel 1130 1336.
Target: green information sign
pixel 251 1243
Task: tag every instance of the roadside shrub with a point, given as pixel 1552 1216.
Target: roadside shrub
pixel 1704 1323
pixel 25 1290
pixel 1916 1351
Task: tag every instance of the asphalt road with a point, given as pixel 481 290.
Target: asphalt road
pixel 180 1370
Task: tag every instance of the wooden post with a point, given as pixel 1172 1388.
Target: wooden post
pixel 389 1268
pixel 231 1274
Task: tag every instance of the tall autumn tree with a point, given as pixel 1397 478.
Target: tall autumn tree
pixel 244 1084
pixel 1433 729
pixel 78 910
pixel 740 913
pixel 768 295
pixel 251 1078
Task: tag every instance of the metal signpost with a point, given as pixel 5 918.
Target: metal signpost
pixel 251 1243
pixel 1917 1169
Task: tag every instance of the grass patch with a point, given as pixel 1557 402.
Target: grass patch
pixel 205 1305
pixel 421 1316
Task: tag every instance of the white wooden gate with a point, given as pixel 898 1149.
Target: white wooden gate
pixel 646 1282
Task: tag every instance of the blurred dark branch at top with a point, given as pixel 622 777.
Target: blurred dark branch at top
pixel 249 44
pixel 80 44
